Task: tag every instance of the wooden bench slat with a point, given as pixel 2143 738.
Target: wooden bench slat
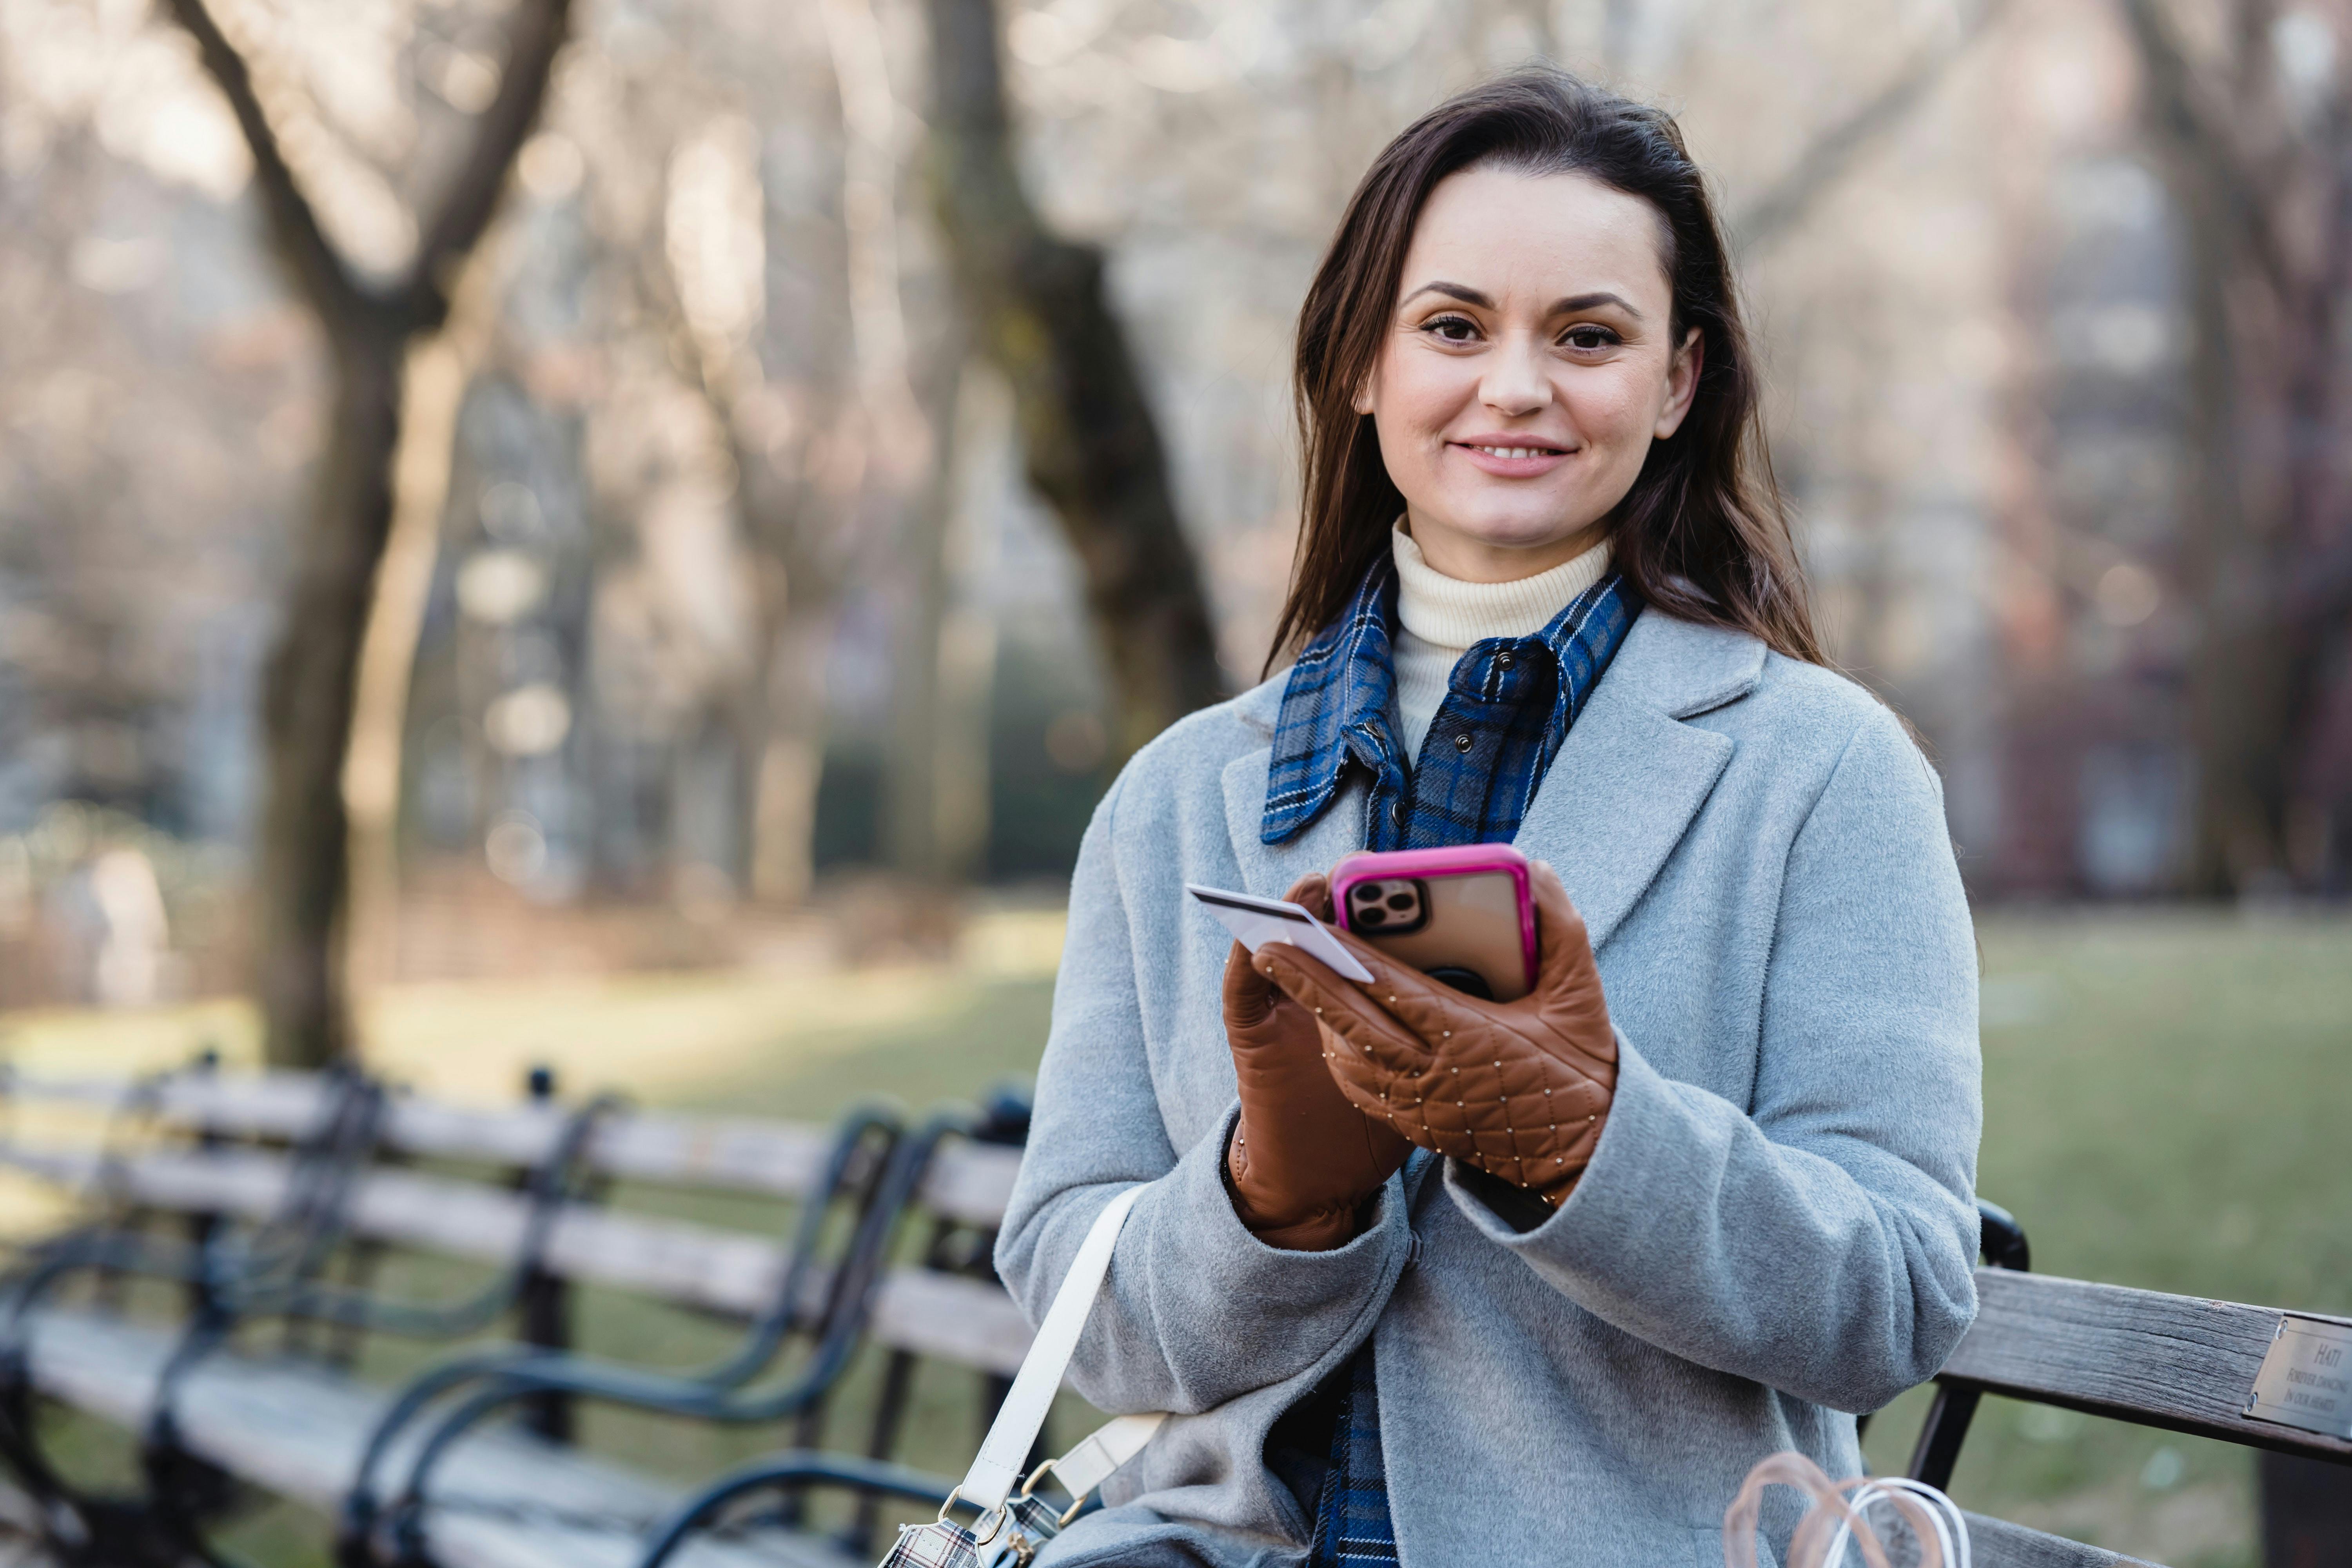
pixel 967 1183
pixel 2176 1362
pixel 971 1182
pixel 1998 1544
pixel 973 1322
pixel 970 1322
pixel 299 1431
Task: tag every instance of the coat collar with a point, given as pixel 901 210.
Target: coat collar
pixel 1628 779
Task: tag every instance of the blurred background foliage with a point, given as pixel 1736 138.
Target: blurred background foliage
pixel 539 520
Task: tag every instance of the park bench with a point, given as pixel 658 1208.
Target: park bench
pixel 2181 1363
pixel 2133 1355
pixel 296 1426
pixel 522 1502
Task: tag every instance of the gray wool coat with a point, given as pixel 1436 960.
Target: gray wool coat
pixel 1777 1229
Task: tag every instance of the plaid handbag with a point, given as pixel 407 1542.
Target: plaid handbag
pixel 1014 1523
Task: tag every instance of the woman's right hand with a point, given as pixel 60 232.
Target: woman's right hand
pixel 1303 1159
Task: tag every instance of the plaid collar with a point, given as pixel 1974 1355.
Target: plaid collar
pixel 1340 707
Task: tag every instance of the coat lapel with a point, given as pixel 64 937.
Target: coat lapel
pixel 1630 775
pixel 1618 797
pixel 1269 870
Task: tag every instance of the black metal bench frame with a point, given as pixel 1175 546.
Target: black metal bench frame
pixel 2178 1363
pixel 234 1286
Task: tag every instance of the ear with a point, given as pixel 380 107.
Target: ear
pixel 1682 382
pixel 1363 400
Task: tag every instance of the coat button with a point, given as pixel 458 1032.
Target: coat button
pixel 1461 743
pixel 1503 659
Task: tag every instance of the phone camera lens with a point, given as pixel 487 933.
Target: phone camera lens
pixel 1373 915
pixel 1401 901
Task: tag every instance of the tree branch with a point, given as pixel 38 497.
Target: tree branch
pixel 2200 141
pixel 1041 310
pixel 318 269
pixel 1833 152
pixel 532 44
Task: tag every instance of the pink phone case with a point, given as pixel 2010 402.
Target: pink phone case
pixel 1451 910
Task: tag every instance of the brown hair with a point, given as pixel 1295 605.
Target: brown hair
pixel 1702 534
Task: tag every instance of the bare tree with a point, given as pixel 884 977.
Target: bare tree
pixel 2260 165
pixel 1040 311
pixel 1834 150
pixel 309 693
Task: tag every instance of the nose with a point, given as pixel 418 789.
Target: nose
pixel 1516 382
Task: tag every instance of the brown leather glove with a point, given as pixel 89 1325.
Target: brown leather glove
pixel 1302 1160
pixel 1520 1089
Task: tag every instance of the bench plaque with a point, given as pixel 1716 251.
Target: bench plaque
pixel 2307 1378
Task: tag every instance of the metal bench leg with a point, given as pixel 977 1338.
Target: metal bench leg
pixel 2002 1242
pixel 1940 1438
pixel 183 1491
pixel 544 1305
pixel 542 1300
pixel 889 1415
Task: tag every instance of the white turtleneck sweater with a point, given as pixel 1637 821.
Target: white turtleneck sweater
pixel 1438 617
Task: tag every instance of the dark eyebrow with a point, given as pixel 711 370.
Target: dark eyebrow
pixel 1575 302
pixel 1563 307
pixel 1462 292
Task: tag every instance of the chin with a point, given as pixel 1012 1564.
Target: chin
pixel 1518 532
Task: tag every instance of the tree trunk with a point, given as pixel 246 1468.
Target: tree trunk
pixel 910 839
pixel 438 370
pixel 308 698
pixel 1041 312
pixel 792 759
pixel 967 643
pixel 2226 831
pixel 2267 254
pixel 914 787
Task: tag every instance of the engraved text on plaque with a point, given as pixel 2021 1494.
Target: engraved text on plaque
pixel 2307 1378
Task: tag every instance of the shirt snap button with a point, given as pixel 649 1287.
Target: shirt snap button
pixel 1461 742
pixel 1503 659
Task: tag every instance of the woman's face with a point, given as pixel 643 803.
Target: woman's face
pixel 1527 368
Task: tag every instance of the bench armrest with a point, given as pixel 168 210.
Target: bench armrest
pixel 870 1477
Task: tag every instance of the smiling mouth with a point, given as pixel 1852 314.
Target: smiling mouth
pixel 1515 451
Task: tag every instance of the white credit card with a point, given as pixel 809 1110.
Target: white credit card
pixel 1255 922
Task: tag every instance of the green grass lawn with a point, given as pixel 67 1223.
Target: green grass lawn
pixel 2165 1106
pixel 2165 1099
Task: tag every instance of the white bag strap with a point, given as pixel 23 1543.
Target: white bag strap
pixel 1112 1445
pixel 997 1470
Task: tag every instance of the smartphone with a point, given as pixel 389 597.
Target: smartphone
pixel 1255 922
pixel 1461 915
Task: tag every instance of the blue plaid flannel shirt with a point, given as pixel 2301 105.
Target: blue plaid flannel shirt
pixel 1507 707
pixel 1506 710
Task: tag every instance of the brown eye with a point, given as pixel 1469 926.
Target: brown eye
pixel 1589 338
pixel 1452 329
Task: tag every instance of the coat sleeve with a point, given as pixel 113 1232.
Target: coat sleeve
pixel 1196 1310
pixel 1822 1241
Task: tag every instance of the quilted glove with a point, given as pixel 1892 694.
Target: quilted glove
pixel 1520 1089
pixel 1302 1161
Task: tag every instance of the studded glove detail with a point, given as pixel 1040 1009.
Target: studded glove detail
pixel 1303 1159
pixel 1520 1089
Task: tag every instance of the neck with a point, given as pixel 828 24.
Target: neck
pixel 1467 559
pixel 1448 611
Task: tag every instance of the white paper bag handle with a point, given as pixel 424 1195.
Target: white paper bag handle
pixel 1014 1433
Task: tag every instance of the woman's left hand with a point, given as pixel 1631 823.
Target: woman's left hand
pixel 1520 1089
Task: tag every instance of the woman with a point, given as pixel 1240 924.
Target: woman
pixel 1547 596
